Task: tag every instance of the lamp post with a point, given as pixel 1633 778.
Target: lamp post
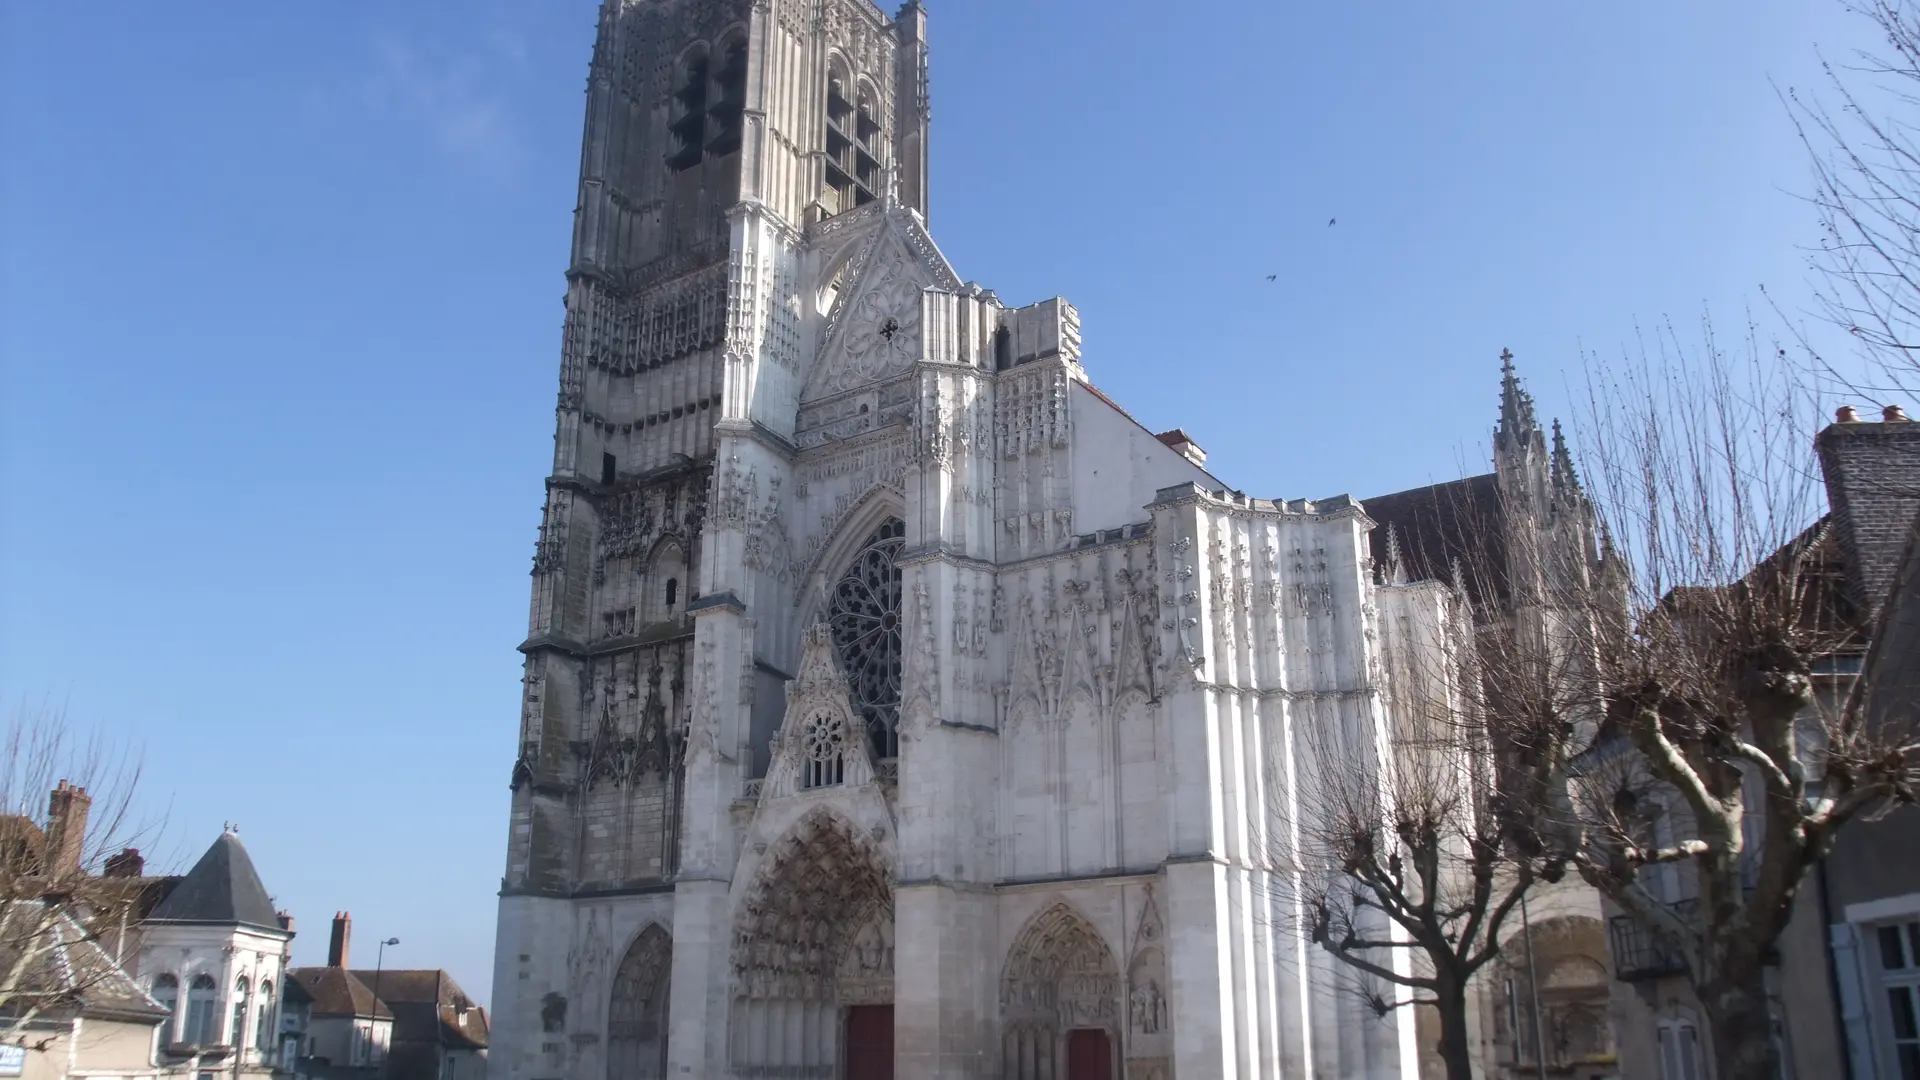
pixel 373 1011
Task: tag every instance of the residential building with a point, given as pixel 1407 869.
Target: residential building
pixel 1846 971
pixel 213 953
pixel 393 1024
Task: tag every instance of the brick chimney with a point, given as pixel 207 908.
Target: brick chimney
pixel 1184 445
pixel 1872 472
pixel 342 937
pixel 129 863
pixel 285 920
pixel 67 811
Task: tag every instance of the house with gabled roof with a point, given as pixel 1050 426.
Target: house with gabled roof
pixel 395 1024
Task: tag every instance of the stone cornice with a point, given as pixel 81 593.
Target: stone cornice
pixel 1104 877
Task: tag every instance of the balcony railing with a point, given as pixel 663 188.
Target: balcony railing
pixel 1639 953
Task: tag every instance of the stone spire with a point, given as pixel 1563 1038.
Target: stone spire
pixel 1517 424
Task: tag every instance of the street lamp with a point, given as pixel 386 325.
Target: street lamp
pixel 373 1011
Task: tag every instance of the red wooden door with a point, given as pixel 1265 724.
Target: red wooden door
pixel 870 1042
pixel 1089 1055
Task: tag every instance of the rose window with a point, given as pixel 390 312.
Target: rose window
pixel 823 744
pixel 864 616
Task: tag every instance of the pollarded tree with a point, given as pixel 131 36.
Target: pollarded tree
pixel 1702 472
pixel 1410 868
pixel 66 805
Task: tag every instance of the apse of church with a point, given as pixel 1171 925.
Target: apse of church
pixel 895 703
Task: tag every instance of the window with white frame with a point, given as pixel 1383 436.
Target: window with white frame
pixel 238 1036
pixel 263 1028
pixel 1900 983
pixel 1679 1050
pixel 201 1017
pixel 166 991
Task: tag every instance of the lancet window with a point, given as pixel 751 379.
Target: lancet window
pixel 864 617
pixel 853 143
pixel 709 102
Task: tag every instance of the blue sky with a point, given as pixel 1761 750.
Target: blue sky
pixel 280 308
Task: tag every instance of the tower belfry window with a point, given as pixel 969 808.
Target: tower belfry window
pixel 609 468
pixel 728 99
pixel 689 123
pixel 853 143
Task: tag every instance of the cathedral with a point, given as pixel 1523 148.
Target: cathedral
pixel 895 704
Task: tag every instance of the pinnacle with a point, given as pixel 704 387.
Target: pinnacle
pixel 1516 405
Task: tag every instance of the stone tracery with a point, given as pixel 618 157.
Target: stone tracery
pixel 864 614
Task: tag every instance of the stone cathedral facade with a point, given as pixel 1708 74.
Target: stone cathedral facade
pixel 895 704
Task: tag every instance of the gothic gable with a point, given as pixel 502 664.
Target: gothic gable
pixel 873 330
pixel 822 741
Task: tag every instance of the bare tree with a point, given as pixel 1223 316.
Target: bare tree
pixel 1702 471
pixel 66 806
pixel 1865 149
pixel 1409 867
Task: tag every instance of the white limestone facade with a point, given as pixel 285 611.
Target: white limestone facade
pixel 895 704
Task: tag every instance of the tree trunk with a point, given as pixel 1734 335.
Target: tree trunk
pixel 1741 1030
pixel 1450 1003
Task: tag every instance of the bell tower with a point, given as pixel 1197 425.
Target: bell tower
pixel 718 135
pixel 803 107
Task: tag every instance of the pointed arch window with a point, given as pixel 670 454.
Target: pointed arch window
pixel 637 1011
pixel 729 96
pixel 689 122
pixel 852 141
pixel 864 617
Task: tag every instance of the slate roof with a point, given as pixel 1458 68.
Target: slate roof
pixel 76 976
pixel 336 992
pixel 223 888
pixel 1440 525
pixel 426 1005
pixel 1893 661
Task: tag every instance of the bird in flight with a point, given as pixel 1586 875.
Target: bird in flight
pixel 1330 223
pixel 1273 277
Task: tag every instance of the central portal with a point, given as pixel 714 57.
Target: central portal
pixel 870 1042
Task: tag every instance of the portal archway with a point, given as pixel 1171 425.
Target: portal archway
pixel 813 949
pixel 1059 997
pixel 637 1011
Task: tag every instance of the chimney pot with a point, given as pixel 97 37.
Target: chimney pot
pixel 128 864
pixel 1846 414
pixel 1894 414
pixel 67 809
pixel 337 948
